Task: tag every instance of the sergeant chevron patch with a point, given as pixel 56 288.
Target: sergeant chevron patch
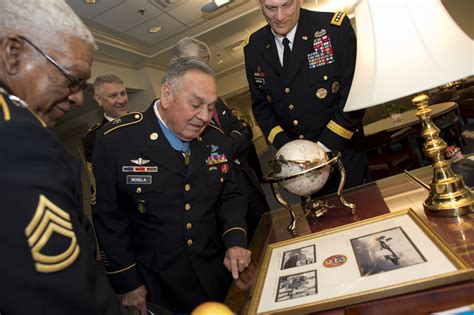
pixel 48 220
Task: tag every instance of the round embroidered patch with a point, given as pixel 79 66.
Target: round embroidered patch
pixel 335 261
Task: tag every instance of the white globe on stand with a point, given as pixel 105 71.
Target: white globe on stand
pixel 301 150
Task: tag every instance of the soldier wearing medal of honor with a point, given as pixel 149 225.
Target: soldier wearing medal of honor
pixel 48 263
pixel 169 215
pixel 299 70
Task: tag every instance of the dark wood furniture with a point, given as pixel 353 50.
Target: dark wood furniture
pixel 391 154
pixel 390 194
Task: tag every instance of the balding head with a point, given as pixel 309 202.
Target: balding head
pixel 191 48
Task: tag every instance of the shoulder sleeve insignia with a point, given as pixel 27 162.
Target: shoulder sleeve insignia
pixel 338 18
pixel 47 220
pixel 247 40
pixel 123 121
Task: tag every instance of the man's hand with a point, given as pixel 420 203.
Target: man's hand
pixel 135 301
pixel 236 260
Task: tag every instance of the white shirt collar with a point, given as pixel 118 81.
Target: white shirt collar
pixel 290 36
pixel 279 41
pixel 108 117
pixel 157 113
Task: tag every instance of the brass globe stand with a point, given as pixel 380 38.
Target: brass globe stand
pixel 315 208
pixel 449 196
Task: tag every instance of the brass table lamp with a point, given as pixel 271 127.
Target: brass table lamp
pixel 405 47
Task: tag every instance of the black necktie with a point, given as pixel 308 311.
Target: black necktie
pixel 286 54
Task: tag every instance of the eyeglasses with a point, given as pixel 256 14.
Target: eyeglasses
pixel 75 84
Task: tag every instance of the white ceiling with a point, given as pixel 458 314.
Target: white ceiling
pixel 121 28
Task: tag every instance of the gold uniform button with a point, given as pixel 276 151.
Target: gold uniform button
pixel 139 190
pixel 321 93
pixel 190 242
pixel 189 226
pixel 295 122
pixel 301 137
pixel 187 187
pixel 291 106
pixel 137 116
pixel 287 90
pixel 187 207
pixel 325 78
pixel 221 179
pixel 154 136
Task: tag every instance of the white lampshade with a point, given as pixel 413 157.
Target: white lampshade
pixel 404 47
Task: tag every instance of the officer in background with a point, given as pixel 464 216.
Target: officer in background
pixel 299 70
pixel 240 138
pixel 168 216
pixel 110 94
pixel 48 263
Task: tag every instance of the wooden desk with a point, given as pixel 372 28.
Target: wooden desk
pixel 409 118
pixel 396 193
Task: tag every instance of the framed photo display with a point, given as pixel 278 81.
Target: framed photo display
pixel 392 254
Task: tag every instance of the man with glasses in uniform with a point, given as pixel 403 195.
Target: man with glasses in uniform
pixel 48 263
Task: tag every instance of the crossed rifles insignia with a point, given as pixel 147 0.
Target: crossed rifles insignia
pixel 48 220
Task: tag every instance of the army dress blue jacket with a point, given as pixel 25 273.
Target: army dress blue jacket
pixel 48 263
pixel 154 212
pixel 307 102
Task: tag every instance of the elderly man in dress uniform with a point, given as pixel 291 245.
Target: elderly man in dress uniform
pixel 48 263
pixel 169 215
pixel 299 70
pixel 240 138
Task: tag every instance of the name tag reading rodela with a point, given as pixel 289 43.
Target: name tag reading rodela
pixel 139 179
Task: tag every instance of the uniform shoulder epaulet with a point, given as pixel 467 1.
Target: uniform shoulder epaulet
pixel 215 127
pixel 123 121
pixel 337 18
pixel 4 109
pixel 91 129
pixel 247 40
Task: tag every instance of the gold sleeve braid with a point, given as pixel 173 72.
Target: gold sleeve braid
pixel 276 130
pixel 339 130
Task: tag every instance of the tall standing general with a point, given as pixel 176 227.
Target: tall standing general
pixel 48 263
pixel 299 70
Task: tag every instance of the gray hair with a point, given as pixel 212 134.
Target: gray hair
pixel 40 17
pixel 179 68
pixel 190 47
pixel 106 78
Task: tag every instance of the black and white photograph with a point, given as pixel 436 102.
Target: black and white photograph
pixel 385 251
pixel 297 285
pixel 298 257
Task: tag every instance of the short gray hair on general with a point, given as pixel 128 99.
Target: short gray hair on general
pixel 40 17
pixel 190 47
pixel 178 69
pixel 106 78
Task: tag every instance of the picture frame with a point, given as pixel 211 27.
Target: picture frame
pixel 383 256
